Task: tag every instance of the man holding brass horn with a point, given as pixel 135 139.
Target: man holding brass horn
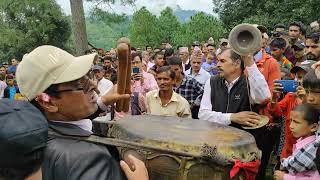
pixel 60 88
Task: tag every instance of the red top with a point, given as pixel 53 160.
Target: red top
pixel 284 107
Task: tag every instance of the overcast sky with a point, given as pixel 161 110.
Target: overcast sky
pixel 155 6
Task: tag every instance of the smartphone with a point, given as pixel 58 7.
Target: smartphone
pixel 135 70
pixel 289 85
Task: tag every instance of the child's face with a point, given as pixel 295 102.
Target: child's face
pixel 313 97
pixel 300 127
pixel 10 82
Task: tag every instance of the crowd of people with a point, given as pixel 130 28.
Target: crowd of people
pixel 207 81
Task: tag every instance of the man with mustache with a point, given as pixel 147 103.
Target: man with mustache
pixel 312 49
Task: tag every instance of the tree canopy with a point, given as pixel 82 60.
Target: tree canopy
pixel 24 25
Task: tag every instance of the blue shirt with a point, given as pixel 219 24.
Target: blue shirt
pixel 258 56
pixel 12 69
pixel 12 92
pixel 207 67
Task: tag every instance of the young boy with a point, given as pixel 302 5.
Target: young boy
pixel 304 124
pixel 277 47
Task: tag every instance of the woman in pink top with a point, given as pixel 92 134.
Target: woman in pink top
pixel 142 82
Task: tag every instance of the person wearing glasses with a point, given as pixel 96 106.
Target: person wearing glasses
pixel 60 88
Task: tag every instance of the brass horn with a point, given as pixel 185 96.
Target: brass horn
pixel 245 39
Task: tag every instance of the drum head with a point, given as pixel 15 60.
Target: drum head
pixel 186 135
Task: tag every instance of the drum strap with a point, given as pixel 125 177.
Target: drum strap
pixel 212 157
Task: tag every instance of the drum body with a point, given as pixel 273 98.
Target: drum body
pixel 184 149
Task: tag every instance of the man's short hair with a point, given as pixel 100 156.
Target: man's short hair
pixel 158 53
pixel 109 58
pixel 167 70
pixel 168 52
pixel 147 46
pixel 210 44
pixel 279 26
pixel 175 61
pixel 278 43
pixel 296 23
pixel 235 56
pixel 311 81
pixel 22 149
pixel 315 37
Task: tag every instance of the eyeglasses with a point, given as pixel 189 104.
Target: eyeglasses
pixel 84 84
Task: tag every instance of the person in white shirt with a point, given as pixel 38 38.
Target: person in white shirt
pixel 226 100
pixel 196 71
pixel 184 56
pixel 104 85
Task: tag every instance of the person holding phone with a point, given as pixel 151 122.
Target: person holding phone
pixel 143 82
pixel 284 107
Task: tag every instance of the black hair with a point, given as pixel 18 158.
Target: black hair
pixel 279 26
pixel 175 61
pixel 167 70
pixel 296 23
pixel 178 47
pixel 315 37
pixel 168 52
pixel 311 81
pixel 158 53
pixel 107 58
pixel 148 46
pixel 278 43
pixel 311 113
pixel 29 165
pixel 210 44
pixel 133 55
pixel 133 49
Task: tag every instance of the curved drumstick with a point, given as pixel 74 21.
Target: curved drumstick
pixel 123 50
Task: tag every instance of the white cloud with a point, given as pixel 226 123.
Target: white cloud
pixel 154 6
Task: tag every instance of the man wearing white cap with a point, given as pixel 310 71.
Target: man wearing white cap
pixel 59 87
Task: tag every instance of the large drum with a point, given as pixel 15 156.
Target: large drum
pixel 184 149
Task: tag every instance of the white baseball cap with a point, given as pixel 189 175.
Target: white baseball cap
pixel 47 65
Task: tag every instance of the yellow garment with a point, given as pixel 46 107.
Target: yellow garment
pixel 177 106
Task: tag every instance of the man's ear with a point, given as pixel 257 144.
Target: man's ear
pixel 48 106
pixel 314 127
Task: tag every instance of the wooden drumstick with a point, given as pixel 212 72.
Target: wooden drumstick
pixel 123 51
pixel 126 104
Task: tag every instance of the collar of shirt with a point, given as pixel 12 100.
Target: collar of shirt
pixel 258 56
pixel 174 97
pixel 193 75
pixel 187 61
pixel 85 124
pixel 231 84
pixel 302 142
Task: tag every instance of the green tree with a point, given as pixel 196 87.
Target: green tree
pixel 26 24
pixel 104 28
pixel 202 26
pixel 144 28
pixel 266 12
pixel 168 25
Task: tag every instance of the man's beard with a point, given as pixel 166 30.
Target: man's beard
pixel 311 56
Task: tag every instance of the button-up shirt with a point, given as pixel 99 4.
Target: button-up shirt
pixel 191 90
pixel 259 92
pixel 177 106
pixel 201 77
pixel 308 175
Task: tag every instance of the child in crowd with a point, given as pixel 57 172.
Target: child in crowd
pixel 211 64
pixel 11 89
pixel 277 47
pixel 304 124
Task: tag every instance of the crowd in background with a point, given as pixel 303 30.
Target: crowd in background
pixel 193 82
